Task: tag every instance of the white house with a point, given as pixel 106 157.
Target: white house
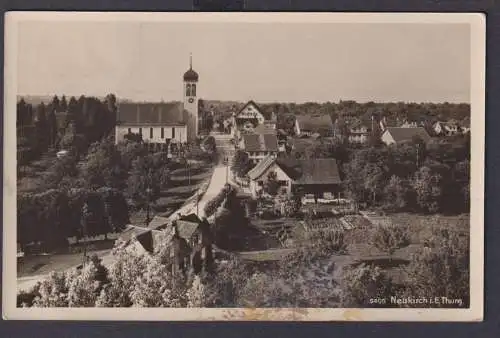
pixel 447 128
pixel 250 116
pixel 260 174
pixel 319 177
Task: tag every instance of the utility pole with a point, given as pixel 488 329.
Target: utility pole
pixel 227 168
pixel 418 148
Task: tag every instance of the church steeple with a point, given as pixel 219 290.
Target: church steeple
pixel 190 75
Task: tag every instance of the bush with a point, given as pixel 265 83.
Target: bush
pixel 362 283
pixel 441 268
pixel 389 238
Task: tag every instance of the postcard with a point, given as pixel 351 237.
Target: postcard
pixel 244 166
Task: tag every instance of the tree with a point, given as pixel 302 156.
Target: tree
pixel 427 186
pixel 144 181
pixel 53 291
pixel 85 285
pixel 104 166
pixel 116 208
pixel 374 179
pixel 441 268
pixel 52 128
pixel 64 167
pixel 388 238
pixel 395 194
pixel 94 219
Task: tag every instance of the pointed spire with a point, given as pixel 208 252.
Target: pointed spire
pixel 190 61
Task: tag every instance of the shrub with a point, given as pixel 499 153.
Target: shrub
pixel 362 283
pixel 389 238
pixel 441 268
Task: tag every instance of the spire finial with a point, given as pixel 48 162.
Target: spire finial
pixel 190 60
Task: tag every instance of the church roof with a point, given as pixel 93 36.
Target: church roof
pixel 150 114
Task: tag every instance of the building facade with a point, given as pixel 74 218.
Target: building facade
pixel 162 122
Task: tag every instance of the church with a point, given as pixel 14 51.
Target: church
pixel 162 122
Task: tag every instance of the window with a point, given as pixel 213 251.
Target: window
pixel 130 130
pixel 150 132
pixel 188 90
pixel 173 132
pixel 140 131
pixel 193 90
pixel 162 133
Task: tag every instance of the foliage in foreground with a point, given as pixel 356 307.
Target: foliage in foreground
pixel 309 277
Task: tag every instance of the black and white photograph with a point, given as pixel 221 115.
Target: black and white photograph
pixel 244 166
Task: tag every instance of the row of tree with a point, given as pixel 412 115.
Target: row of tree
pixel 411 176
pixel 60 124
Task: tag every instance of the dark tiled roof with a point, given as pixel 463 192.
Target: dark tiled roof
pixel 190 218
pixel 319 171
pixel 314 122
pixel 260 142
pixel 314 171
pixel 407 134
pixel 150 114
pixel 263 129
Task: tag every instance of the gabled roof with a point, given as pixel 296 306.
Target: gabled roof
pixel 268 116
pixel 261 167
pixel 400 134
pixel 314 122
pixel 263 129
pixel 260 142
pixel 150 114
pixel 158 222
pixel 303 172
pixel 319 171
pixel 187 225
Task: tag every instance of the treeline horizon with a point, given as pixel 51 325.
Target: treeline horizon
pixel 37 99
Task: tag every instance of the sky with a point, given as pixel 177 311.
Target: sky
pixel 266 62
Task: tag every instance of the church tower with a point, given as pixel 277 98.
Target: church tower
pixel 191 101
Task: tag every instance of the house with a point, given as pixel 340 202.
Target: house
pixel 260 174
pixel 312 176
pixel 306 125
pixel 397 135
pixel 251 116
pixel 158 122
pixel 259 146
pixel 197 234
pixel 359 131
pixel 189 241
pixel 447 128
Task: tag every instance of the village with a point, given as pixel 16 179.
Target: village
pixel 255 185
